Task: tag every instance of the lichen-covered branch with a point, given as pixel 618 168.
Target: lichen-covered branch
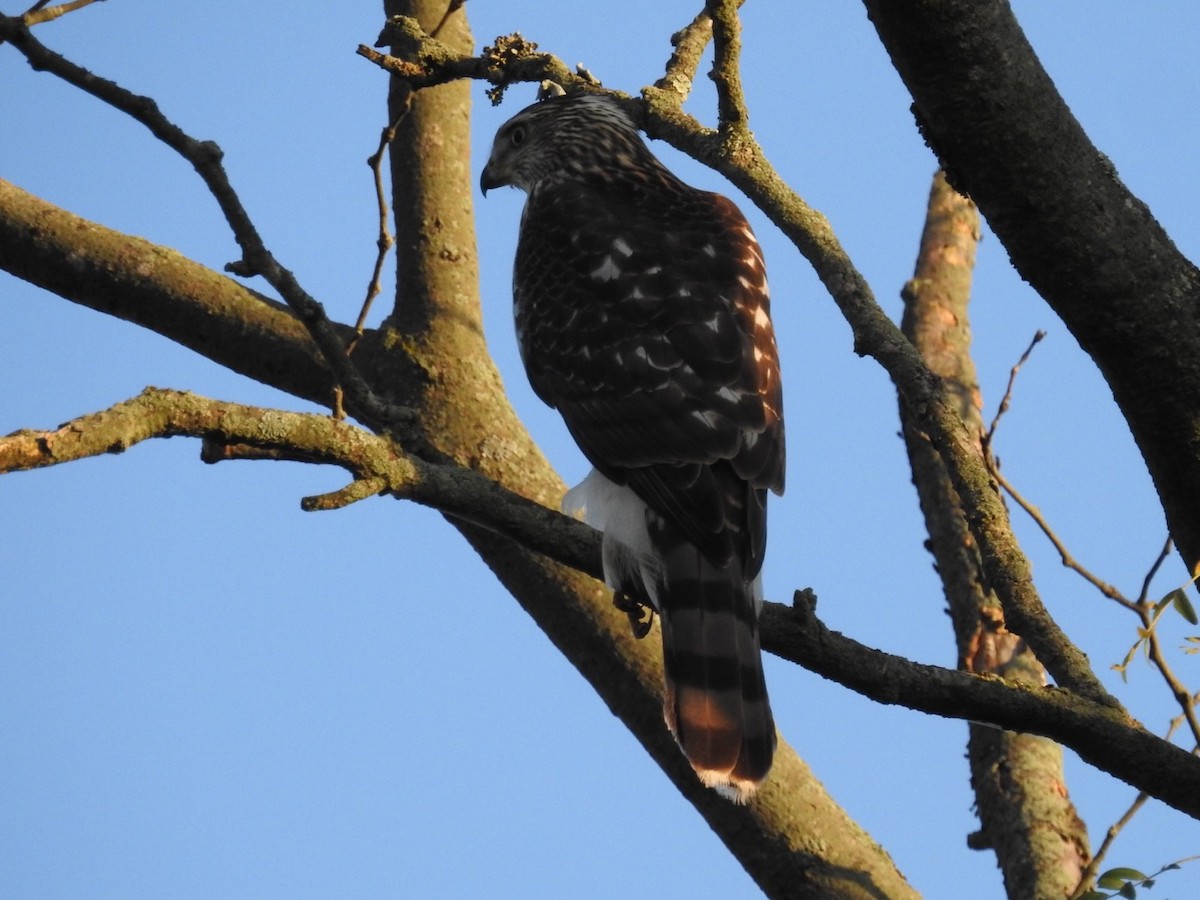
pixel 688 46
pixel 726 74
pixel 1025 812
pixel 251 432
pixel 1101 735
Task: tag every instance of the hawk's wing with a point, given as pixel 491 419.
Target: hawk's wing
pixel 645 323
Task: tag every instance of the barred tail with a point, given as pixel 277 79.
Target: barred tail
pixel 716 697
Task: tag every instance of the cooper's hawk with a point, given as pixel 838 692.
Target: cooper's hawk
pixel 642 316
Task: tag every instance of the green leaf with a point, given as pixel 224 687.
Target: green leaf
pixel 1183 605
pixel 1119 878
pixel 1128 891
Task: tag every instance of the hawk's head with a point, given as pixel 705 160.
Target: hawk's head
pixel 579 136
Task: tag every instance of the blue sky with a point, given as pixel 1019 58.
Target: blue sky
pixel 206 692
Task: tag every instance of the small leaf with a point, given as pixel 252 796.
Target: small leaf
pixel 1183 606
pixel 1119 877
pixel 1128 891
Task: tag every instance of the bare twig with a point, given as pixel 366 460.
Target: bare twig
pixel 359 489
pixel 1144 595
pixel 1148 613
pixel 1068 559
pixel 37 14
pixel 1149 617
pixel 1006 400
pixel 1093 867
pixel 385 241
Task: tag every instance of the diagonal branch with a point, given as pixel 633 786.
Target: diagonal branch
pixel 205 157
pixel 1105 737
pixel 1101 735
pixel 306 437
pixel 689 44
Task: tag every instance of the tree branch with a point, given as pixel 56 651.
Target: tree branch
pixel 205 157
pixel 1025 812
pixel 689 44
pixel 141 282
pixel 370 459
pixel 727 44
pixel 1070 226
pixel 1101 735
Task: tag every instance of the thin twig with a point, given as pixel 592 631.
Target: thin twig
pixel 1144 596
pixel 37 14
pixel 1187 703
pixel 1089 872
pixel 385 241
pixel 1068 560
pixel 1006 400
pixel 1148 613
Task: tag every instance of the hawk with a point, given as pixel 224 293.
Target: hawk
pixel 642 315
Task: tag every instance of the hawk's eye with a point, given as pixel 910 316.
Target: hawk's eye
pixel 517 136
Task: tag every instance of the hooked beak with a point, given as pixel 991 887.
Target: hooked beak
pixel 489 178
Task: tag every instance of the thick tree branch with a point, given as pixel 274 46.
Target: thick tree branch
pixel 141 282
pixel 1070 226
pixel 305 437
pixel 1105 737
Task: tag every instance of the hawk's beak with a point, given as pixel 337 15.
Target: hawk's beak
pixel 489 178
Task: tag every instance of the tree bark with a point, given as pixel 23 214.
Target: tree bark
pixel 1071 228
pixel 1025 812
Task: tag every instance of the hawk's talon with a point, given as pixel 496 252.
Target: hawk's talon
pixel 641 616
